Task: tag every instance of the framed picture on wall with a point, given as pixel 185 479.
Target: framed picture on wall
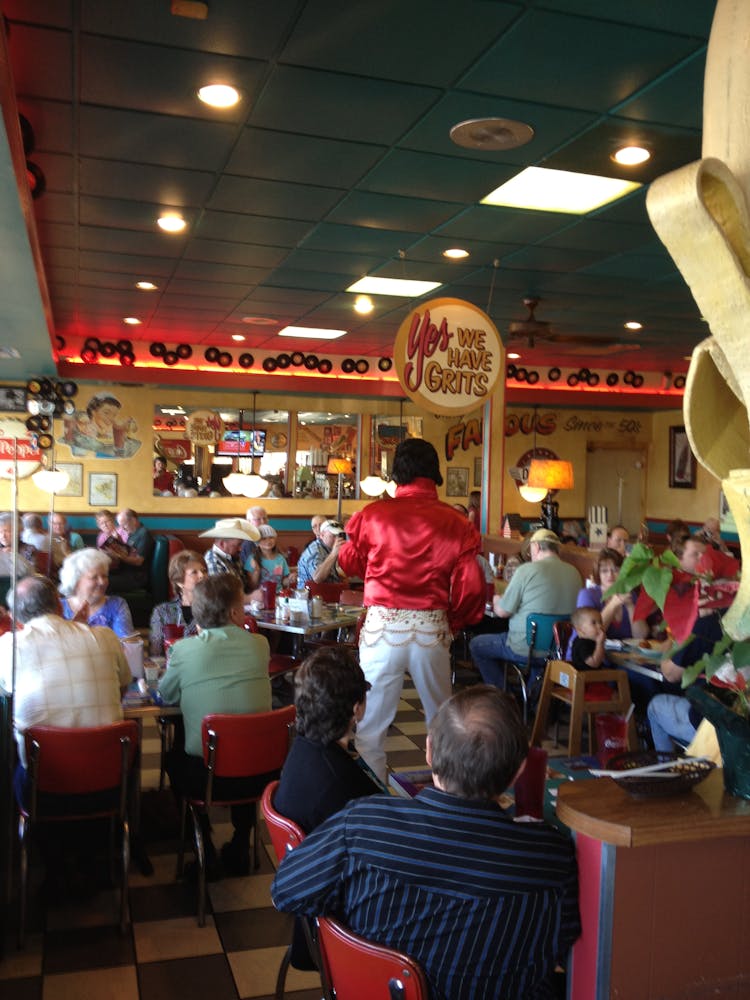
pixel 75 479
pixel 682 463
pixel 477 473
pixel 102 489
pixel 457 483
pixel 12 399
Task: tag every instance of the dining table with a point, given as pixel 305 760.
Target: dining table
pixel 300 626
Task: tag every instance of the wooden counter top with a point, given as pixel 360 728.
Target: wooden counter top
pixel 603 810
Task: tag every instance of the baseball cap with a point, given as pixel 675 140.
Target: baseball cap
pixel 545 535
pixel 333 526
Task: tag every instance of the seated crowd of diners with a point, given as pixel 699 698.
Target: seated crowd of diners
pixel 360 845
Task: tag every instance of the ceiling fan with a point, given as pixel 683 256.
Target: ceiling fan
pixel 531 330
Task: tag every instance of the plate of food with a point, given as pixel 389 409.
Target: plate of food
pixel 649 648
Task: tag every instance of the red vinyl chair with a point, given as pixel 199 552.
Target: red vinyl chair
pixel 357 968
pixel 330 592
pixel 285 836
pixel 77 762
pixel 234 746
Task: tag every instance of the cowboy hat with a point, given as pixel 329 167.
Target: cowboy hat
pixel 233 527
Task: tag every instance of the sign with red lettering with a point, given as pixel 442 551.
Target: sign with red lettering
pixel 17 446
pixel 175 449
pixel 448 356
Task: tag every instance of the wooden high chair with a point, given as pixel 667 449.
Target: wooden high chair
pixel 566 684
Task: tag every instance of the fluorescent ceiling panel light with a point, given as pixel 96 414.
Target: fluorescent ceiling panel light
pixel 311 333
pixel 545 190
pixel 393 286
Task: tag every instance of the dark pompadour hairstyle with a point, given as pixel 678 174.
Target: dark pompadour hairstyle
pixel 478 742
pixel 416 458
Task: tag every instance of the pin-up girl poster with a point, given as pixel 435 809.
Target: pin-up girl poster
pixel 101 429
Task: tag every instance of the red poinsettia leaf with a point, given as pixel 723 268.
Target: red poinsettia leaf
pixel 719 683
pixel 644 606
pixel 681 609
pixel 718 565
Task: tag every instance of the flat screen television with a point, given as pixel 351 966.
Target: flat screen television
pixel 244 443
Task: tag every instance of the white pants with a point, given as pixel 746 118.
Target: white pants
pixel 392 642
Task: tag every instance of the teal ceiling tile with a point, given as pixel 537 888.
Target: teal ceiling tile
pixel 380 211
pixel 612 61
pixel 331 105
pixel 423 175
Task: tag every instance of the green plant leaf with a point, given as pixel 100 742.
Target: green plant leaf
pixel 741 654
pixel 656 583
pixel 670 559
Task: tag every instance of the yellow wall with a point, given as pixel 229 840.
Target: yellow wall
pixel 134 474
pixel 573 429
pixel 663 503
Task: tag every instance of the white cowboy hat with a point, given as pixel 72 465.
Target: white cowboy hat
pixel 233 527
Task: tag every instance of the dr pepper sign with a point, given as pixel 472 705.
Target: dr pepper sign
pixel 448 356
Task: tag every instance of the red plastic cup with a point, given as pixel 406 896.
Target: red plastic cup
pixel 611 736
pixel 269 594
pixel 529 789
pixel 173 632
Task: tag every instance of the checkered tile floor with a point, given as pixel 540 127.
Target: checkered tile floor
pixel 76 952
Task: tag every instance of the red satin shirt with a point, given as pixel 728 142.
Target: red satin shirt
pixel 415 552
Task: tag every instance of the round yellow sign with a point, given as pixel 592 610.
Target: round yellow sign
pixel 448 356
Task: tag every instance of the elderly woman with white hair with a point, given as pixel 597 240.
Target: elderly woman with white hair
pixel 84 576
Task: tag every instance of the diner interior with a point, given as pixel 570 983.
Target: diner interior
pixel 247 268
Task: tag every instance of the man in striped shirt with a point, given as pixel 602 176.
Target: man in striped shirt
pixel 488 907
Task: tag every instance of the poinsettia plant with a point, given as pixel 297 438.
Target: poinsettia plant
pixel 726 667
pixel 661 584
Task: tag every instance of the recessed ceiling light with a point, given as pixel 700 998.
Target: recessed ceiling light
pixel 514 356
pixel 455 253
pixel 146 286
pixel 633 325
pixel 393 286
pixel 363 304
pixel 219 95
pixel 260 320
pixel 238 336
pixel 545 190
pixel 631 156
pixel 132 321
pixel 491 133
pixel 171 222
pixel 311 332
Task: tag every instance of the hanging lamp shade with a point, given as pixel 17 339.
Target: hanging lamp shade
pixel 254 486
pixel 532 494
pixel 550 475
pixel 50 480
pixel 372 486
pixel 339 467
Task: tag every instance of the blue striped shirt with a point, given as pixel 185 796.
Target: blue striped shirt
pixel 485 905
